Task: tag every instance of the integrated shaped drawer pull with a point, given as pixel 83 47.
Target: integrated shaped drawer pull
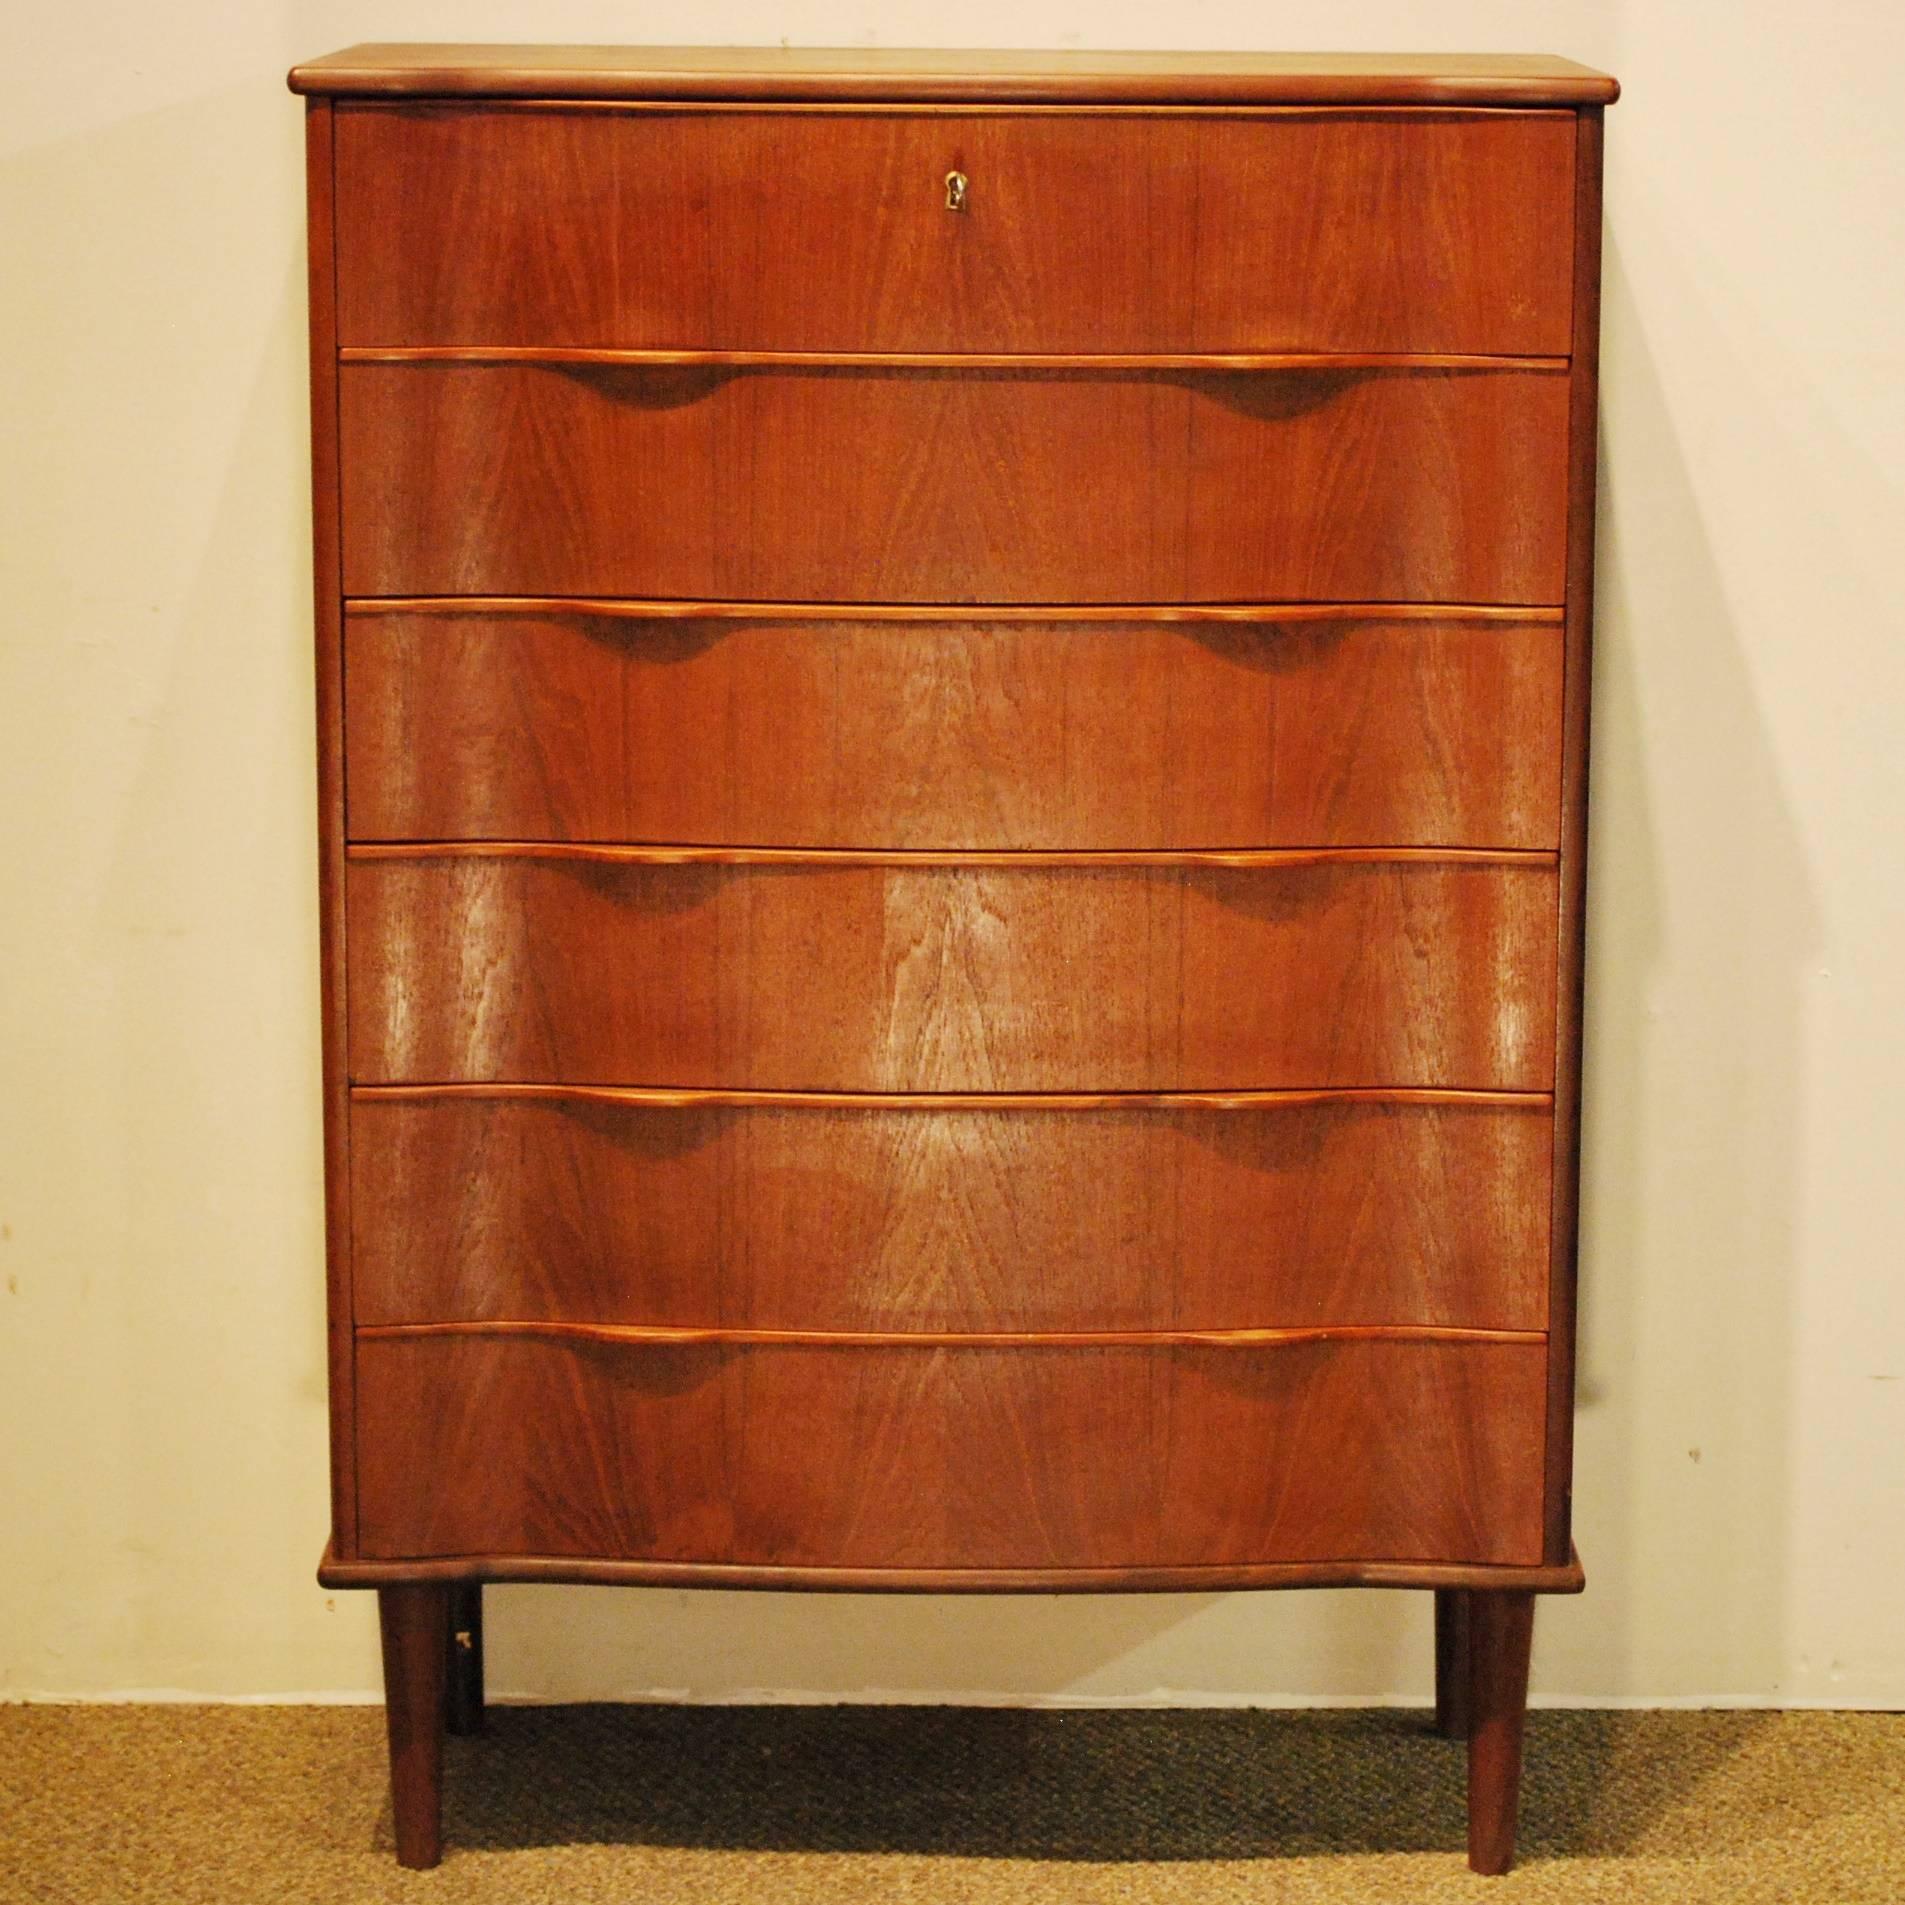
pixel 956 184
pixel 678 1336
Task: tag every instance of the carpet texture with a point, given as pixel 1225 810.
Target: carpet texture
pixel 200 1805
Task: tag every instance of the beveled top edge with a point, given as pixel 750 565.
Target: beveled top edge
pixel 952 76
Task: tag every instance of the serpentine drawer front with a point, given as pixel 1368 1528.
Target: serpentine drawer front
pixel 792 230
pixel 953 699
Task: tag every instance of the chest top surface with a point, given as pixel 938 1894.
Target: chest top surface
pixel 953 76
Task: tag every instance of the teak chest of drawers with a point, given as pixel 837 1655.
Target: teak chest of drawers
pixel 953 700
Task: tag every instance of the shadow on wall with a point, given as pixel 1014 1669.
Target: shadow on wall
pixel 157 568
pixel 1702 917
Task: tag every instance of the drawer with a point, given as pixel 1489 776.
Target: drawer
pixel 1372 231
pixel 787 484
pixel 1264 1214
pixel 928 1457
pixel 809 974
pixel 553 722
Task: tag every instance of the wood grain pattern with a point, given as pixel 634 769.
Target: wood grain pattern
pixel 924 979
pixel 771 1216
pixel 923 485
pixel 563 724
pixel 466 225
pixel 1571 938
pixel 938 1457
pixel 887 74
pixel 328 660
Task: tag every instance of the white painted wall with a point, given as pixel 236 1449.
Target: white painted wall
pixel 1741 1498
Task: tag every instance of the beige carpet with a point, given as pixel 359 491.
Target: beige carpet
pixel 199 1805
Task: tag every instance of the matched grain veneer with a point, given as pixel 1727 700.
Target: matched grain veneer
pixel 801 974
pixel 1085 232
pixel 893 1457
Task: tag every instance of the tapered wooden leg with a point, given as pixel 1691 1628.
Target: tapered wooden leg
pixel 1501 1628
pixel 1451 1663
pixel 414 1620
pixel 464 1662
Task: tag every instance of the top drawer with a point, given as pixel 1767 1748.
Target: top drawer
pixel 1082 232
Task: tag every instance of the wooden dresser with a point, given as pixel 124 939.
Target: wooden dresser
pixel 953 701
